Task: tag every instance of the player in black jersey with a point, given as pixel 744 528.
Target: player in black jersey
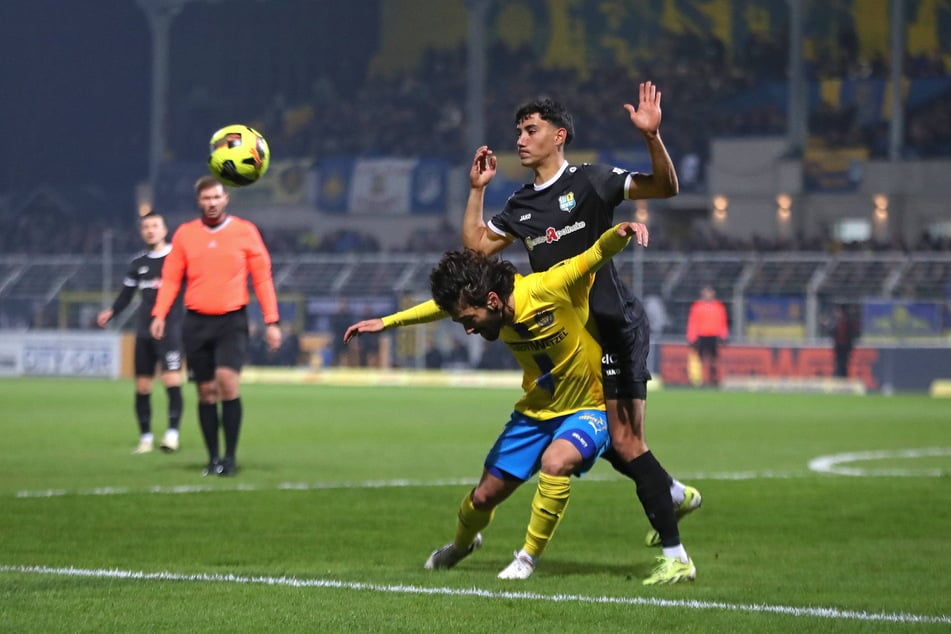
pixel 145 274
pixel 559 215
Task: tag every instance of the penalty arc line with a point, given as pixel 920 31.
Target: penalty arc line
pixel 828 613
pixel 833 464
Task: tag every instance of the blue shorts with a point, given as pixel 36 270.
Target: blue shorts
pixel 517 453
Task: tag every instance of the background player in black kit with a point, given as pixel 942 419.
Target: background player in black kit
pixel 559 215
pixel 145 274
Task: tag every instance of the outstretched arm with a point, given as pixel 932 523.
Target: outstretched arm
pixel 476 235
pixel 419 314
pixel 662 182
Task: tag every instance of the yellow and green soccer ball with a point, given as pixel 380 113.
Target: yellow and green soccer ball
pixel 238 155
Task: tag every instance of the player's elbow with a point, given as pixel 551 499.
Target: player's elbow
pixel 482 243
pixel 669 187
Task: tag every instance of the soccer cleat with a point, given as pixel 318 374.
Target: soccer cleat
pixel 691 503
pixel 671 570
pixel 449 555
pixel 214 467
pixel 169 441
pixel 228 467
pixel 144 446
pixel 521 568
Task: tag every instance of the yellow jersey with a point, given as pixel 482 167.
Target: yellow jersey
pixel 560 360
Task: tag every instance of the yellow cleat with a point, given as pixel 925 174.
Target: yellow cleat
pixel 691 503
pixel 671 570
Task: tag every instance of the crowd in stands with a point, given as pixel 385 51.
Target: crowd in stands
pixel 705 94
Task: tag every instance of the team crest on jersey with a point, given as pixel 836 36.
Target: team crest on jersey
pixel 567 201
pixel 544 318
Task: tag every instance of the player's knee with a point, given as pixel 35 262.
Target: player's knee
pixel 563 457
pixel 560 465
pixel 485 498
pixel 208 392
pixel 626 444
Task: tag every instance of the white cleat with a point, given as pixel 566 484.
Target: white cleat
pixel 521 568
pixel 144 446
pixel 449 555
pixel 169 441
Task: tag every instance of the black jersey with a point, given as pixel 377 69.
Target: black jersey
pixel 145 274
pixel 563 218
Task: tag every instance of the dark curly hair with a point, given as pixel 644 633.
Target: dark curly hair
pixel 549 110
pixel 467 276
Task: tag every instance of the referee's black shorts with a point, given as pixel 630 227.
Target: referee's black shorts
pixel 214 341
pixel 707 346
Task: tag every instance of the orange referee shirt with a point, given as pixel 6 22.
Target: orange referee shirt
pixel 214 263
pixel 706 319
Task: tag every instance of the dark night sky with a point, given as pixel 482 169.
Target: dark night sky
pixel 75 84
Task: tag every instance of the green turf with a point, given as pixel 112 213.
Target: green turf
pixel 343 492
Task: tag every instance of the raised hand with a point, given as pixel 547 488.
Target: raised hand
pixel 483 167
pixel 646 117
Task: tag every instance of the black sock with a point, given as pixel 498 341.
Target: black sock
pixel 231 419
pixel 653 490
pixel 174 406
pixel 143 412
pixel 208 419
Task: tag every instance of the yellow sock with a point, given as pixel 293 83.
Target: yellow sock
pixel 470 521
pixel 548 507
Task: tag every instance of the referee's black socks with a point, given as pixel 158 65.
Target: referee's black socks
pixel 231 419
pixel 208 420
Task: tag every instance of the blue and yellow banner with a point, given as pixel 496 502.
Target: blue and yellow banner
pixel 776 317
pixel 899 319
pixel 393 185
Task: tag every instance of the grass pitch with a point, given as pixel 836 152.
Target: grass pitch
pixel 343 492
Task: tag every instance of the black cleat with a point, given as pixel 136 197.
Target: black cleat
pixel 228 467
pixel 215 467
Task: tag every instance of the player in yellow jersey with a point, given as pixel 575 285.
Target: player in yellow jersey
pixel 559 426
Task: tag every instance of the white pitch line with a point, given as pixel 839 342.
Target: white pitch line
pixel 366 484
pixel 822 464
pixel 831 463
pixel 826 613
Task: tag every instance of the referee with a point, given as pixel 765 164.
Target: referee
pixel 214 255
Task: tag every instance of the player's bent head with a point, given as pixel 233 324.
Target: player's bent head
pixel 466 277
pixel 547 109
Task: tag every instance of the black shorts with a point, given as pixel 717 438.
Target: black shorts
pixel 624 349
pixel 149 352
pixel 707 346
pixel 214 341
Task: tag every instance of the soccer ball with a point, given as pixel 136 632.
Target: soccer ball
pixel 238 155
